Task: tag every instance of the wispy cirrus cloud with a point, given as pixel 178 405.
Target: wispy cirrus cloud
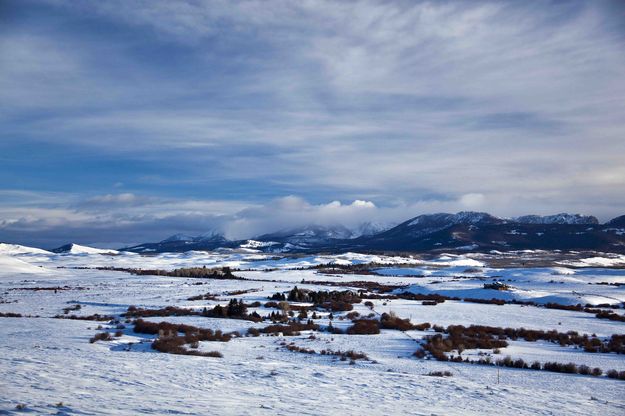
pixel 405 104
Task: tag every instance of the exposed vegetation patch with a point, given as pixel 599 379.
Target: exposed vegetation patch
pixel 497 286
pixel 392 321
pixel 205 296
pixel 68 309
pixel 334 301
pixel 459 338
pixel 164 329
pixel 236 309
pixel 94 317
pixel 51 289
pixel 10 315
pixel 439 374
pixel 364 327
pixel 185 345
pixel 102 336
pixel 289 329
pixel 343 355
pixel 222 273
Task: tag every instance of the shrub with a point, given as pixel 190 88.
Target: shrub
pixel 255 332
pixel 295 348
pixel 199 334
pixel 364 327
pixel 612 374
pixel 290 329
pixel 10 315
pixel 619 375
pixel 352 315
pixel 94 317
pixel 102 336
pixel 570 368
pixel 175 345
pixel 206 296
pixel 440 374
pixel 392 321
pixel 420 353
pixel 234 310
pixel 422 327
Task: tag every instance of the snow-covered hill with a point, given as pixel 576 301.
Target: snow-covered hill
pixel 13 249
pixel 10 265
pixel 78 249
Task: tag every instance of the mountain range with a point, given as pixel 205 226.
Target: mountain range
pixel 467 230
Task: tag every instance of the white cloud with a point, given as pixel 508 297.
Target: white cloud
pixel 403 107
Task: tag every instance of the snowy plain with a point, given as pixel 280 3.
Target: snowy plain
pixel 46 361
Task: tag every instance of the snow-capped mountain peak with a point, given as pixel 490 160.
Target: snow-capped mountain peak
pixel 562 218
pixel 212 235
pixel 370 228
pixel 72 248
pixel 178 237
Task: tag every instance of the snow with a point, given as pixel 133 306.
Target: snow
pixel 562 218
pixel 257 244
pixel 50 360
pixel 10 264
pixel 177 237
pixel 600 261
pixel 13 249
pixel 78 249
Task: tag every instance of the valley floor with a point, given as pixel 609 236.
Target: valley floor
pixel 49 366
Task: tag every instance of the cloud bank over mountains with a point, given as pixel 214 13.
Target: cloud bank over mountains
pixel 115 220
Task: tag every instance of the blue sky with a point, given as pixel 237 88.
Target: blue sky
pixel 127 121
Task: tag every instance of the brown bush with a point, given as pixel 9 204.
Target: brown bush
pixel 392 321
pixel 175 345
pixel 290 329
pixel 71 308
pixel 440 374
pixel 618 375
pixel 10 315
pixel 206 296
pixel 102 336
pixel 234 310
pixel 364 327
pixel 352 315
pixel 569 368
pixel 94 317
pixel 345 355
pixel 191 332
pixel 295 348
pixel 255 332
pixel 420 353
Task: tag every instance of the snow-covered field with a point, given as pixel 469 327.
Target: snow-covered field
pixel 46 361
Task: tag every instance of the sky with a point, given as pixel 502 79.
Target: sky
pixel 126 121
